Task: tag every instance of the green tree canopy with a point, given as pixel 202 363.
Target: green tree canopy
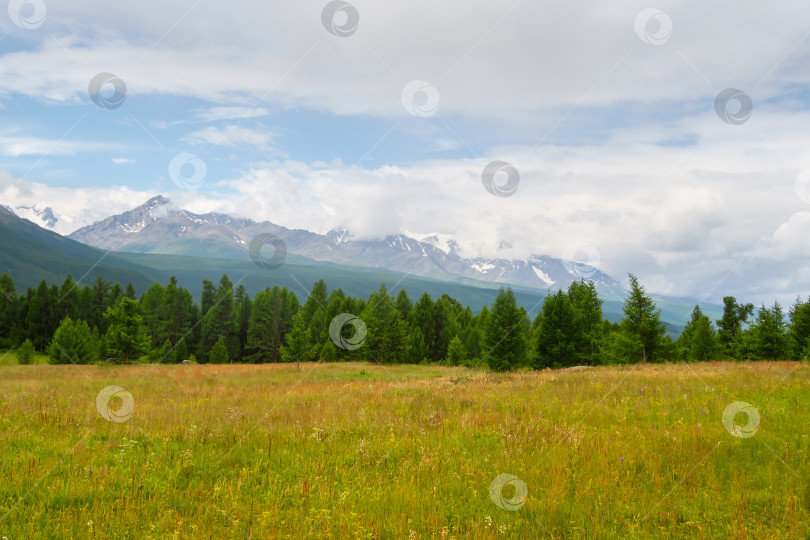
pixel 641 326
pixel 297 347
pixel 72 343
pixel 125 337
pixel 505 337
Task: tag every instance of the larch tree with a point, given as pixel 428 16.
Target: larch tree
pixel 642 324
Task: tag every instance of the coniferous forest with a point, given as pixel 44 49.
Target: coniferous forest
pixel 108 322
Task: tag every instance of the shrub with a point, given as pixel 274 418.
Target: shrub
pixel 219 352
pixel 26 352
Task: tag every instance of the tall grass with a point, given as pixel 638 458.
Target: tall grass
pixel 363 451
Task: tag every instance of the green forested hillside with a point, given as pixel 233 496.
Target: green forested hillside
pixel 30 254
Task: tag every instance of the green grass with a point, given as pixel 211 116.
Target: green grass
pixel 363 451
pixel 9 358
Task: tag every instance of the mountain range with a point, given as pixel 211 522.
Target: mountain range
pixel 30 254
pixel 160 227
pixel 157 240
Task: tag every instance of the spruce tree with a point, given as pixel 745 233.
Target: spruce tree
pixel 40 321
pixel 9 311
pixel 588 328
pixel 769 333
pixel 26 353
pixel 219 352
pixel 730 325
pixel 297 347
pixel 72 343
pixel 505 341
pixel 220 322
pixel 800 329
pixel 181 351
pixel 456 352
pixel 125 337
pixel 641 325
pixel 557 334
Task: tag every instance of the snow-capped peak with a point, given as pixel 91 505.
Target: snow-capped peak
pixel 443 242
pixel 44 217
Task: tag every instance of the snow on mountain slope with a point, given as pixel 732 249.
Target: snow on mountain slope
pixel 543 276
pixel 44 217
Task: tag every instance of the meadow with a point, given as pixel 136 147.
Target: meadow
pixel 360 450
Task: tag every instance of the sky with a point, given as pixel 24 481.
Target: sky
pixel 666 139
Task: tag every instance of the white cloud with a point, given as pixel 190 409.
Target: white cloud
pixel 75 208
pixel 123 161
pixel 16 146
pixel 790 240
pixel 485 59
pixel 213 114
pixel 231 136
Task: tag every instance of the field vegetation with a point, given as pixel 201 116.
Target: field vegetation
pixel 360 450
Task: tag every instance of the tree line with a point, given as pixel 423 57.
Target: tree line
pixel 82 324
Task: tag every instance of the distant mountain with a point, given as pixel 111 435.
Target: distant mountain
pixel 44 217
pixel 30 254
pixel 160 227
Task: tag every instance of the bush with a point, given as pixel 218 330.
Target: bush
pixel 219 353
pixel 72 343
pixel 26 352
pixel 328 352
pixel 456 353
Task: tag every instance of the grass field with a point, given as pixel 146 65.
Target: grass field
pixel 364 451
